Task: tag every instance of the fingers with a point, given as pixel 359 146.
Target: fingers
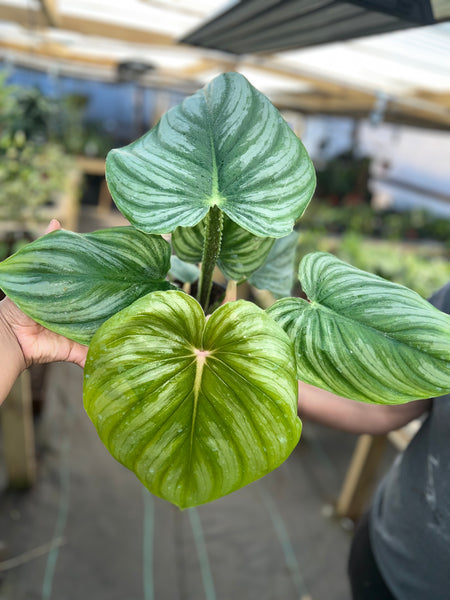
pixel 53 226
pixel 78 355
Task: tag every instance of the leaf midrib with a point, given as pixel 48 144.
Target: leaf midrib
pixel 199 366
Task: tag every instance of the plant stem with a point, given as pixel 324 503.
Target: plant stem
pixel 211 251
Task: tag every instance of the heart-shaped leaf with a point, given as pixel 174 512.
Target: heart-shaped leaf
pixel 364 337
pixel 226 145
pixel 71 282
pixel 277 273
pixel 196 409
pixel 241 252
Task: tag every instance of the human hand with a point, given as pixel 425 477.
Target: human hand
pixel 37 344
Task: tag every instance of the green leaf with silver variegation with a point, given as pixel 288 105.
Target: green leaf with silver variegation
pixel 225 146
pixel 196 408
pixel 71 282
pixel 363 337
pixel 183 271
pixel 187 242
pixel 277 273
pixel 241 252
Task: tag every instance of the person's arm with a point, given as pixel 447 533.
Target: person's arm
pixel 320 406
pixel 11 358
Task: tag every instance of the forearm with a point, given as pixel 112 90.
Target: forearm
pixel 334 411
pixel 11 357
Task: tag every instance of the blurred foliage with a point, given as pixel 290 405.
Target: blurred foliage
pixel 33 170
pixel 410 247
pixel 423 267
pixel 344 178
pixel 12 242
pixel 31 174
pixel 57 120
pixel 30 114
pixel 77 135
pixel 363 219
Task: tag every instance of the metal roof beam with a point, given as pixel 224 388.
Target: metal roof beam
pixel 51 12
pixel 273 25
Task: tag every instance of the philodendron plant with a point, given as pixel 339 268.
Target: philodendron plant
pixel 198 407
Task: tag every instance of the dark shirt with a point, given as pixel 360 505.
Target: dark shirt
pixel 410 515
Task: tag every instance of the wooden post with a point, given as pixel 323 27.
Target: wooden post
pixel 51 11
pixel 361 476
pixel 104 198
pixel 18 434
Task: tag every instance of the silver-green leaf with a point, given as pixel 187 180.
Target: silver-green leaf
pixel 183 271
pixel 241 252
pixel 363 337
pixel 196 408
pixel 225 146
pixel 71 283
pixel 277 272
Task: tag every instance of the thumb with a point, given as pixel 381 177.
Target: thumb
pixel 53 226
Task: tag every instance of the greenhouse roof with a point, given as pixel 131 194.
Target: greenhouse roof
pixel 403 75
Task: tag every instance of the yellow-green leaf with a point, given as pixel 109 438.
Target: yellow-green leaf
pixel 196 408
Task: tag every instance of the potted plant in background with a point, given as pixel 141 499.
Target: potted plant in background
pixel 198 407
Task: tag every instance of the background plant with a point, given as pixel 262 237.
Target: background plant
pixel 57 120
pixel 33 170
pixel 422 267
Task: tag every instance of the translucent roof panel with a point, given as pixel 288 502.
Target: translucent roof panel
pixel 394 62
pixel 409 68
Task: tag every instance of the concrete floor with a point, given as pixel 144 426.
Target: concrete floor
pixel 88 529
